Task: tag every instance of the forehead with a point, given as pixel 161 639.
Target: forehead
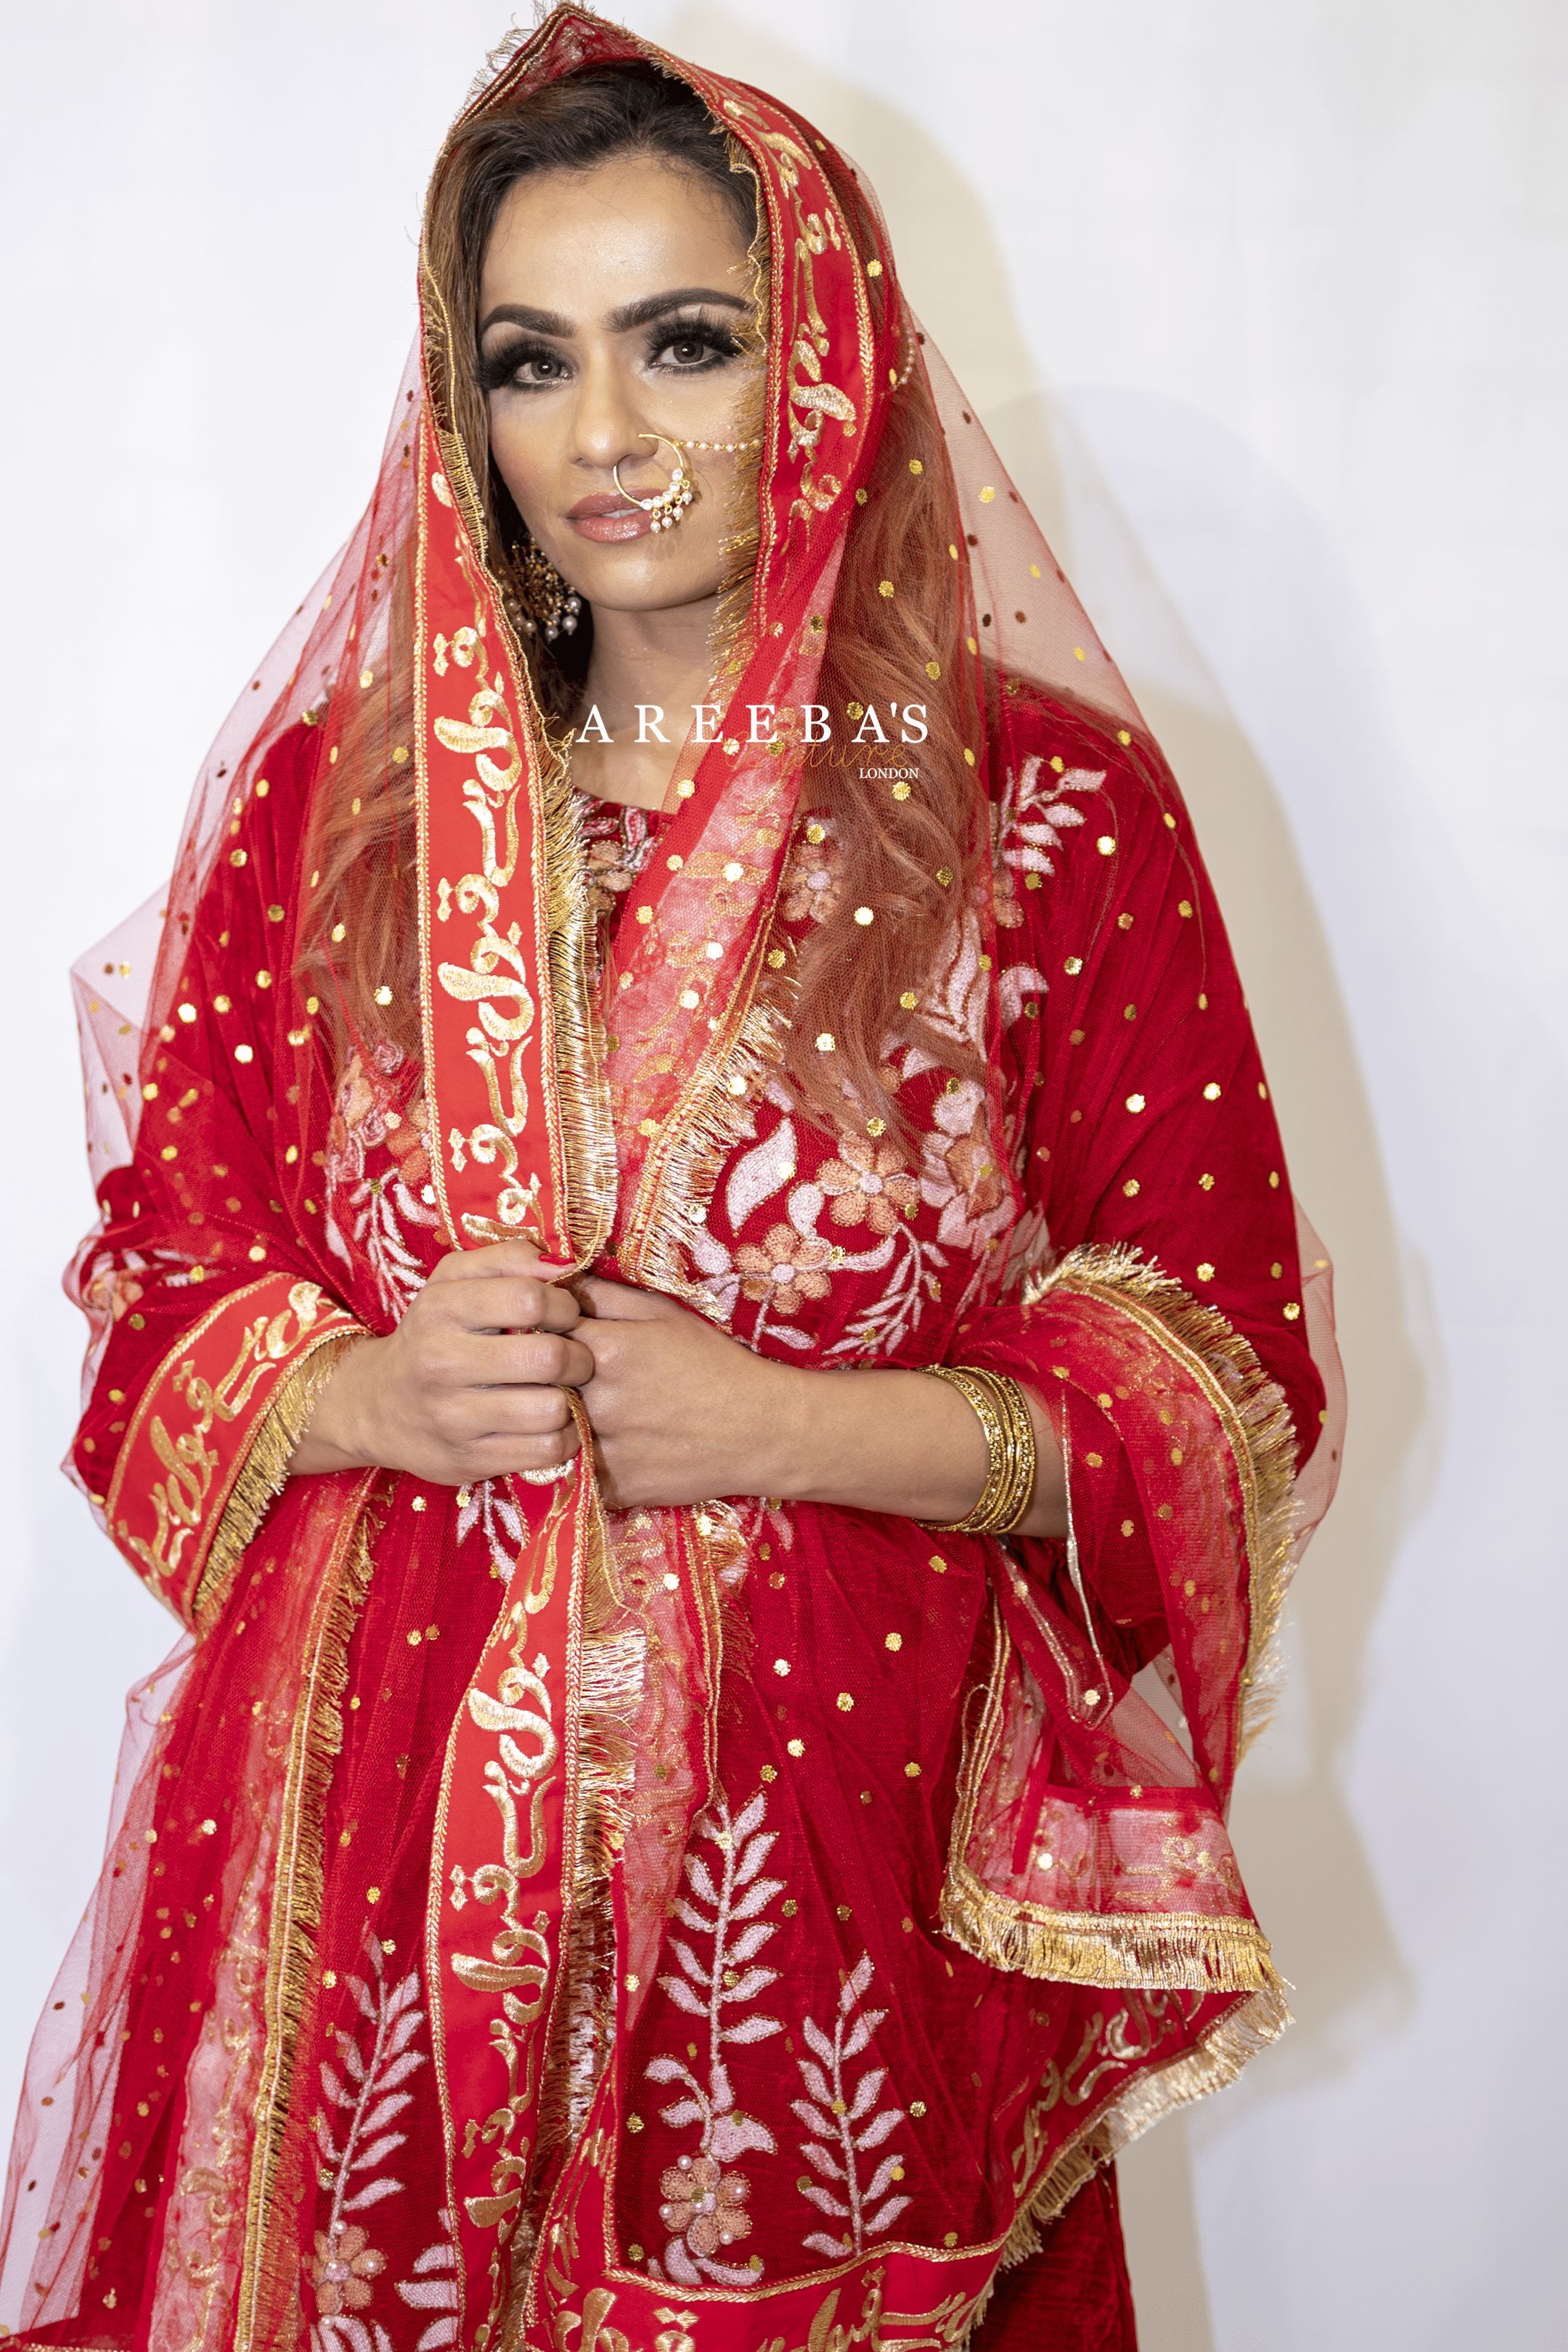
pixel 583 241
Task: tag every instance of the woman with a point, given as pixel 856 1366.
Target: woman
pixel 650 1837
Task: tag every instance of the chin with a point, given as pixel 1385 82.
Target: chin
pixel 643 584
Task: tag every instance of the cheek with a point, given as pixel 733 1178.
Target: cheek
pixel 524 457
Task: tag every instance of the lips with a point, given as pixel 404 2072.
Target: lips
pixel 605 515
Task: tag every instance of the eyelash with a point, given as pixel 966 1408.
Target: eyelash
pixel 499 372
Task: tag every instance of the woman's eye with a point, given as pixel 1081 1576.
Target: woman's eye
pixel 695 347
pixel 516 366
pixel 538 367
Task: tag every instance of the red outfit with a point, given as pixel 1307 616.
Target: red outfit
pixel 738 1926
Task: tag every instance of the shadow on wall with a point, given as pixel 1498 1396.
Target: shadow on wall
pixel 1308 1871
pixel 1262 835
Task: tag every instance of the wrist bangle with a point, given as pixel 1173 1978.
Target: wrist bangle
pixel 1003 1412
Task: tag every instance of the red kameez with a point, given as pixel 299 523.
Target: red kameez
pixel 704 1929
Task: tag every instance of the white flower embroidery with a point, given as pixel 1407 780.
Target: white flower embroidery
pixel 434 2288
pixel 369 2098
pixel 367 1213
pixel 490 1509
pixel 1032 817
pixel 704 2206
pixel 844 2125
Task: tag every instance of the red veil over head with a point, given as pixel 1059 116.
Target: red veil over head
pixel 529 1924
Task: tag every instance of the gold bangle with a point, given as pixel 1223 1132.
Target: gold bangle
pixel 1000 1407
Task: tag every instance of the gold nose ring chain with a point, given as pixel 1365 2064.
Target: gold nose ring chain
pixel 668 507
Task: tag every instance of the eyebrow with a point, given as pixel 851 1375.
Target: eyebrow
pixel 640 313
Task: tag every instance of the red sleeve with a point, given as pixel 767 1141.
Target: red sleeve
pixel 212 1321
pixel 1158 1313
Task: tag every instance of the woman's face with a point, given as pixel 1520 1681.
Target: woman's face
pixel 612 304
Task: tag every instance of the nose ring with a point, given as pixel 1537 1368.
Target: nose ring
pixel 669 506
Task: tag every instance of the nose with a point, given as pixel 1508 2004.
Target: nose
pixel 607 419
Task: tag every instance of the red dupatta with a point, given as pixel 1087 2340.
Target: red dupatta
pixel 563 1778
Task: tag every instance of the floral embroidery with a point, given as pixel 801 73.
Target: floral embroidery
pixel 618 843
pixel 868 1183
pixel 937 1221
pixel 377 1206
pixel 844 2124
pixel 369 2097
pixel 961 1175
pixel 811 882
pixel 1032 817
pixel 704 2205
pixel 609 875
pixel 434 2288
pixel 345 2265
pixel 490 1509
pixel 787 1270
pixel 112 1288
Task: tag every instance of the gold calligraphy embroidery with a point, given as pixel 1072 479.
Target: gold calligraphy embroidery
pixel 812 398
pixel 518 1965
pixel 180 1500
pixel 495 978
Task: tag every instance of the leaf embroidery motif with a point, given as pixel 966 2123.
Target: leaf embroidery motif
pixel 353 2138
pixel 434 2288
pixel 843 2126
pixel 723 1907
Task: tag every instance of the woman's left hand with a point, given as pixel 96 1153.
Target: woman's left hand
pixel 680 1412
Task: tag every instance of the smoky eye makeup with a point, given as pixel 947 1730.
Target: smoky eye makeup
pixel 499 366
pixel 719 342
pixel 701 342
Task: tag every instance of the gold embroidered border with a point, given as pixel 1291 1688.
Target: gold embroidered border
pixel 1252 1411
pixel 1187 1951
pixel 161 1379
pixel 1217 2059
pixel 180 1485
pixel 298 1889
pixel 564 916
pixel 263 1467
pixel 1169 1951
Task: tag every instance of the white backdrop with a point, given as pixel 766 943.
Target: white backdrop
pixel 1261 299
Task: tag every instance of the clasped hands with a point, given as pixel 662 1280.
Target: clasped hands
pixel 474 1382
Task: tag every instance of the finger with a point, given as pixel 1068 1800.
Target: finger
pixel 522 1255
pixel 509 1303
pixel 604 1343
pixel 509 1412
pixel 495 1458
pixel 620 1302
pixel 506 1360
pixel 562 1446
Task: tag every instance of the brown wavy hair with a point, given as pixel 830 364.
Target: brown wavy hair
pixel 914 861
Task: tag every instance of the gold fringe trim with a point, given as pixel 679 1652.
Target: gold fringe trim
pixel 1174 1951
pixel 611 1668
pixel 264 1472
pixel 1253 1412
pixel 268 2273
pixel 1218 2058
pixel 714 1120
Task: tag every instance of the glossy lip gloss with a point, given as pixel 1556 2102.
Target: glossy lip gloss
pixel 606 517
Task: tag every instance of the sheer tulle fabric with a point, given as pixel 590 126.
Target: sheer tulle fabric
pixel 531 1925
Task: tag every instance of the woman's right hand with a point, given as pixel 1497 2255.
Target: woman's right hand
pixel 470 1385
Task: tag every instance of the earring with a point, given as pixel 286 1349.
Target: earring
pixel 549 603
pixel 669 507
